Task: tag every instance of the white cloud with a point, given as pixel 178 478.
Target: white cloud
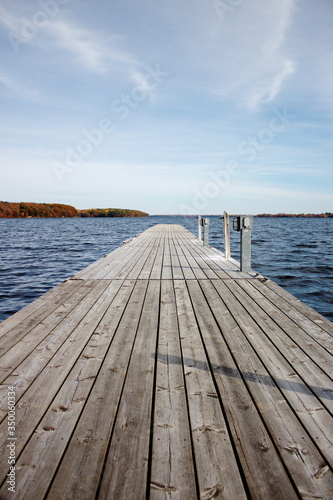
pixel 144 84
pixel 278 16
pixel 272 66
pixel 250 56
pixel 270 89
pixel 11 22
pixel 89 49
pixel 18 89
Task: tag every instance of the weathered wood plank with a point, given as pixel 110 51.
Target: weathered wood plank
pixel 30 309
pixel 40 458
pixel 300 456
pixel 217 468
pixel 298 336
pixel 185 266
pixel 177 272
pixel 167 267
pixel 101 263
pixel 156 272
pixel 14 331
pixel 290 381
pixel 33 404
pixel 315 376
pixel 255 450
pixel 126 466
pixel 111 268
pixel 301 307
pixel 310 326
pixel 172 471
pixel 21 350
pixel 79 473
pixel 150 263
pixel 28 371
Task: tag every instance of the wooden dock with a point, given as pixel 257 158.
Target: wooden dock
pixel 163 372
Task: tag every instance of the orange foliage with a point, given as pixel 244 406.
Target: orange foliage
pixel 46 210
pixel 24 210
pixel 112 212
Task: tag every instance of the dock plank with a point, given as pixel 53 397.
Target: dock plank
pixel 301 458
pixel 33 308
pixel 11 359
pixel 217 469
pixel 252 442
pixel 35 401
pixel 306 323
pixel 172 473
pixel 308 408
pixel 17 327
pixel 79 473
pixel 126 466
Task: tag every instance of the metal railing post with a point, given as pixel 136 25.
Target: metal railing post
pixel 205 223
pixel 226 235
pixel 244 224
pixel 199 228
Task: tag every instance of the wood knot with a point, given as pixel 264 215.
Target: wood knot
pixel 210 493
pixel 61 409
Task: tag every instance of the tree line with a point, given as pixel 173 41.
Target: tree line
pixel 311 216
pixel 55 210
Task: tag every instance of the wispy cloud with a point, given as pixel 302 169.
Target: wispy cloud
pixel 270 87
pixel 273 67
pixel 278 16
pixel 251 59
pixel 89 49
pixel 142 83
pixel 9 20
pixel 17 89
pixel 97 51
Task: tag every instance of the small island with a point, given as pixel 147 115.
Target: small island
pixel 25 210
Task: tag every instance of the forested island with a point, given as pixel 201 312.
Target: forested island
pixel 111 212
pixel 54 210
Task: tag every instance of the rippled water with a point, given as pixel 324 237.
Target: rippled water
pixel 36 254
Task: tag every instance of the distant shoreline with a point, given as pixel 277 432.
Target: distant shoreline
pixel 326 215
pixel 24 210
pixel 29 210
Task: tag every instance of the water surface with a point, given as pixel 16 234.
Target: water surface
pixel 37 254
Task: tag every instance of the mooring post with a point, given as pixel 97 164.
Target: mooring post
pixel 205 223
pixel 199 228
pixel 226 235
pixel 244 224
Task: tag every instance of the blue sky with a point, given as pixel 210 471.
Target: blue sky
pixel 196 106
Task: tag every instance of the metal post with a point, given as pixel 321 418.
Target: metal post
pixel 226 236
pixel 245 260
pixel 244 224
pixel 246 230
pixel 205 223
pixel 199 228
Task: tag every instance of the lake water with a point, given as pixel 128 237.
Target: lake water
pixel 36 254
